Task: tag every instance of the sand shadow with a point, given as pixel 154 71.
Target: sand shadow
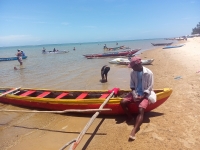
pixel 102 81
pixel 59 131
pixel 93 134
pixel 147 115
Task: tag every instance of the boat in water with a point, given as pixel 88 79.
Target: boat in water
pixel 161 44
pixel 11 58
pixel 113 54
pixel 125 61
pixel 59 100
pixel 54 52
pixel 174 46
pixel 116 48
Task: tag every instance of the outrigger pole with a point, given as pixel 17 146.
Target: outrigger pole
pixel 76 141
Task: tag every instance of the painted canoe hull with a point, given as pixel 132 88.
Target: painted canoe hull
pixel 71 101
pixel 112 54
pixel 11 58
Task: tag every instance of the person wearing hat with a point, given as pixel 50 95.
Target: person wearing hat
pixel 141 84
pixel 19 56
pixel 23 54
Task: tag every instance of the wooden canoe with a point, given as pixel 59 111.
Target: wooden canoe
pixel 161 44
pixel 11 58
pixel 75 99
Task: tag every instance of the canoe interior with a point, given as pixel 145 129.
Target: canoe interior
pixel 93 94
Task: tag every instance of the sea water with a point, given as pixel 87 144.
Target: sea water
pixel 68 71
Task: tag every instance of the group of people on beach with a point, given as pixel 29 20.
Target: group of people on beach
pixel 142 94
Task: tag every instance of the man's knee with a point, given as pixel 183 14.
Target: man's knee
pixel 141 110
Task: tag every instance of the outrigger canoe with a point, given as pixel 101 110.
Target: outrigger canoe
pixel 59 100
pixel 11 58
pixel 113 54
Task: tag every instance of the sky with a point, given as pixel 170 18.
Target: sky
pixel 37 22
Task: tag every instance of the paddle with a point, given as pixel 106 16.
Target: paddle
pixel 10 91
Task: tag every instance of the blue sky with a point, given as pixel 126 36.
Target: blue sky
pixel 35 22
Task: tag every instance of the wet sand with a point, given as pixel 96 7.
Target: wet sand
pixel 173 125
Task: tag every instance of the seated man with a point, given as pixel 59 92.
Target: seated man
pixel 104 72
pixel 142 94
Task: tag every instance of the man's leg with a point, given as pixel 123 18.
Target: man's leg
pixel 139 120
pixel 124 104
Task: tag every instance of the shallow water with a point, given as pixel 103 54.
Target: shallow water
pixel 69 70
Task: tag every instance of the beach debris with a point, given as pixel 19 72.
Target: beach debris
pixel 198 71
pixel 178 77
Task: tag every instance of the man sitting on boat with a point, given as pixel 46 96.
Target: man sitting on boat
pixel 142 93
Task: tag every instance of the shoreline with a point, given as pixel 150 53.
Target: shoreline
pixel 173 125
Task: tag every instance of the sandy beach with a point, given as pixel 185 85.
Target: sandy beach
pixel 173 125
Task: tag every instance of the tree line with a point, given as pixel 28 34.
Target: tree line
pixel 196 30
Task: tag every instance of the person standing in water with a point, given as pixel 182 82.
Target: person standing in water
pixel 104 73
pixel 19 56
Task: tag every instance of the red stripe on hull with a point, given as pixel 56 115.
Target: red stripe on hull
pixel 116 108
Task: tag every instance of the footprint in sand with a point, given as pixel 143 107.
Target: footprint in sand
pixel 157 137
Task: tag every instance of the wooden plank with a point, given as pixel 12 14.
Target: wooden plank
pixel 10 91
pixel 43 94
pixel 27 93
pixel 61 95
pixel 82 96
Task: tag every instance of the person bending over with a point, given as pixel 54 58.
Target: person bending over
pixel 141 84
pixel 104 73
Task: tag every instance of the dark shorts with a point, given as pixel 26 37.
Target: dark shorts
pixel 105 70
pixel 143 104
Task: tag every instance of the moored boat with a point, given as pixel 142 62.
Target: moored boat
pixel 113 54
pixel 75 99
pixel 125 61
pixel 116 48
pixel 11 58
pixel 161 44
pixel 54 52
pixel 174 46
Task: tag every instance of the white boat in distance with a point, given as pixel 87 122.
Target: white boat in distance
pixel 54 52
pixel 125 61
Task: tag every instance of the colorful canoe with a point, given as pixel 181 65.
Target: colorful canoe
pixel 11 58
pixel 113 54
pixel 72 99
